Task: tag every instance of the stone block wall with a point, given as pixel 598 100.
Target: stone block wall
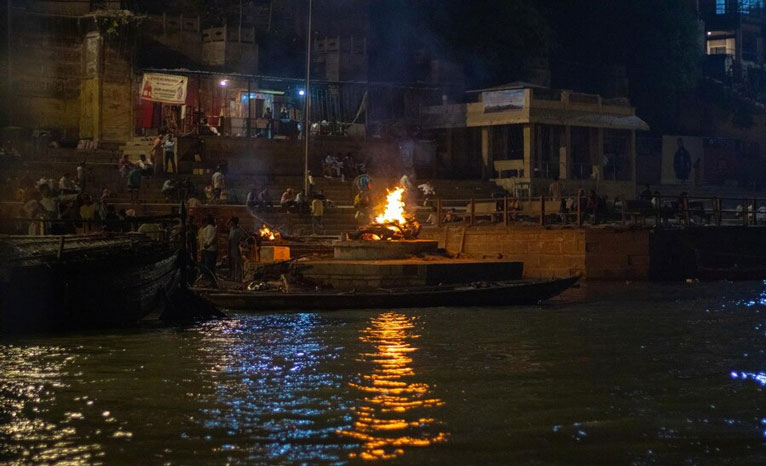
pixel 602 254
pixel 615 254
pixel 46 84
pixel 545 253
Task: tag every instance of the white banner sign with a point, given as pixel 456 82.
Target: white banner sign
pixel 500 101
pixel 166 88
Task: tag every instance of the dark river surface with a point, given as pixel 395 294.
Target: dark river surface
pixel 607 374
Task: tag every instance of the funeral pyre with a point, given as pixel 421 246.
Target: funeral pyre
pixel 392 222
pixel 269 234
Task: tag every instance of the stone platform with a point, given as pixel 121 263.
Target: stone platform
pixel 382 250
pixel 366 274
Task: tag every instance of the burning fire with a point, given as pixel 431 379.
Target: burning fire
pixel 393 222
pixel 268 234
pixel 394 211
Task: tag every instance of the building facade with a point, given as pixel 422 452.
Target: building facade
pixel 524 136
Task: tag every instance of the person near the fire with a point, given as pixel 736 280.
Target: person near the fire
pixel 209 240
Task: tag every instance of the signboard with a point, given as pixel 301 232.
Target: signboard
pixel 682 158
pixel 500 101
pixel 165 88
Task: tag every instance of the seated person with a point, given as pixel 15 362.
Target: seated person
pixel 288 200
pixel 146 166
pixel 169 189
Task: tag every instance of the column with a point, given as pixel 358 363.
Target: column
pixel 632 158
pixel 564 150
pixel 91 86
pixel 529 149
pixel 487 165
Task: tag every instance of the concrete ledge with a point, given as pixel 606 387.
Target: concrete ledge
pixel 347 274
pixel 381 250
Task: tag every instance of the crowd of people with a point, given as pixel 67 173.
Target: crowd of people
pixel 67 207
pixel 345 168
pixel 204 243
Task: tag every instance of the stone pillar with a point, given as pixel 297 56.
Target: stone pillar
pixel 597 153
pixel 487 164
pixel 529 149
pixel 632 158
pixel 91 86
pixel 564 150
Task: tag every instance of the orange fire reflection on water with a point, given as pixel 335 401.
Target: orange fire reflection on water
pixel 392 412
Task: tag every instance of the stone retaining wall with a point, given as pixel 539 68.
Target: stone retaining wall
pixel 611 254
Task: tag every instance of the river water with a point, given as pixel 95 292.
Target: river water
pixel 606 374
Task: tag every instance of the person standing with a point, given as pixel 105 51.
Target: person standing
pixel 209 239
pixel 554 191
pixel 156 154
pixel 134 183
pixel 80 175
pixel 191 239
pixel 218 184
pixel 317 213
pixel 170 153
pixel 236 235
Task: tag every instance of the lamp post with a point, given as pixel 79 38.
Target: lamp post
pixel 307 105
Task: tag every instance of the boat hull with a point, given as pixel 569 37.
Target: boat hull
pixel 115 288
pixel 504 294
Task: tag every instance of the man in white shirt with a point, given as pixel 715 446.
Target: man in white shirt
pixel 208 238
pixel 170 153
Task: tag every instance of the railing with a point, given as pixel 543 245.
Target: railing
pixel 540 210
pixel 579 210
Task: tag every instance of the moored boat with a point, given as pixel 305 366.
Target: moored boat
pixel 63 282
pixel 484 294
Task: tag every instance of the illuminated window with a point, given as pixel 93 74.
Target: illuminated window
pixel 720 7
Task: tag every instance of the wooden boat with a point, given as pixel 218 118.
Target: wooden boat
pixel 62 282
pixel 489 294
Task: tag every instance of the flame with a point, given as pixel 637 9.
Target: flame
pixel 394 210
pixel 267 233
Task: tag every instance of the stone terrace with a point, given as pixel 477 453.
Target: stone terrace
pixel 102 170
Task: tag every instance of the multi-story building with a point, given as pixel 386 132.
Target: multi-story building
pixel 735 38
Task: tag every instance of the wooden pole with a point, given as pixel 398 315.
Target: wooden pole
pixel 60 251
pixel 623 213
pixel 471 210
pixel 716 211
pixel 439 212
pixel 657 211
pixel 307 104
pixel 542 210
pixel 744 212
pixel 753 206
pixel 505 210
pixel 685 206
pixel 579 207
pixel 249 112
